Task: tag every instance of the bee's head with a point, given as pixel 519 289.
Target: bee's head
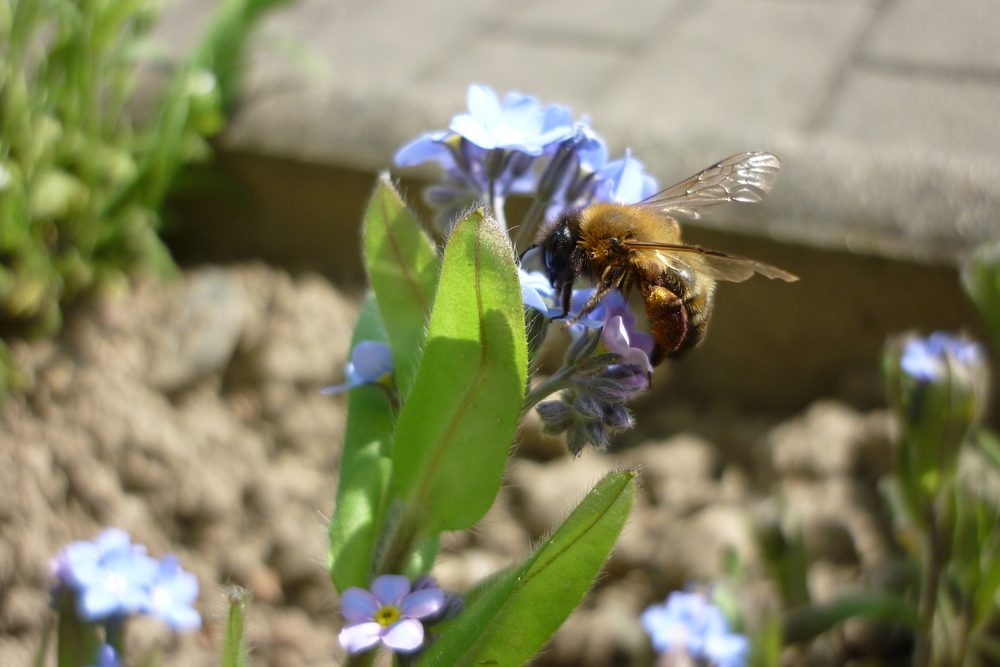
pixel 558 249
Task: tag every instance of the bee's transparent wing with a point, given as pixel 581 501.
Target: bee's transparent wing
pixel 746 177
pixel 712 263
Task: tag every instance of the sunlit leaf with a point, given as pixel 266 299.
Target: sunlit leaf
pixel 403 266
pixel 509 617
pixel 456 427
pixel 364 471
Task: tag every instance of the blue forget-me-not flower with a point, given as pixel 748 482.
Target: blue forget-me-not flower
pixel 390 614
pixel 371 363
pixel 689 623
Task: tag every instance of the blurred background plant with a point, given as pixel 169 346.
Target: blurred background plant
pixel 83 175
pixel 941 592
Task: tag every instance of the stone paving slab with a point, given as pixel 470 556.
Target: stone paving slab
pixel 886 113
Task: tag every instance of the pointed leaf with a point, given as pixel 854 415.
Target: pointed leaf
pixel 511 616
pixel 403 266
pixel 234 646
pixel 364 471
pixel 455 430
pixel 808 622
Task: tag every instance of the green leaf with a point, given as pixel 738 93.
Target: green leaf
pixel 234 648
pixel 365 464
pixel 456 428
pixel 403 266
pixel 808 622
pixel 510 616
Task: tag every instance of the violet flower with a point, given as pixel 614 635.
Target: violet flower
pixel 620 337
pixel 389 614
pixel 371 363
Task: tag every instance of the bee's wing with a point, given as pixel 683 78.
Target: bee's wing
pixel 746 177
pixel 712 263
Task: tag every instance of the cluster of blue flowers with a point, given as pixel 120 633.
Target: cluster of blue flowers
pixel 111 578
pixel 688 623
pixel 519 146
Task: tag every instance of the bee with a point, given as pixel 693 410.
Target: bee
pixel 626 246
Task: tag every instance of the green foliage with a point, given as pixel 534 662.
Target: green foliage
pixel 80 182
pixel 456 428
pixel 364 470
pixel 234 646
pixel 428 453
pixel 511 615
pixel 403 266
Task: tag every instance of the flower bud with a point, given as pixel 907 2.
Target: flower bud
pixel 938 386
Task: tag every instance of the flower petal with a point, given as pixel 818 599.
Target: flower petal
pixel 371 360
pixel 404 636
pixel 390 589
pixel 484 105
pixel 360 637
pixel 357 605
pixel 422 603
pixel 426 148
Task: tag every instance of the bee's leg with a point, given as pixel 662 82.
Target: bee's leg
pixel 592 302
pixel 668 321
pixel 566 299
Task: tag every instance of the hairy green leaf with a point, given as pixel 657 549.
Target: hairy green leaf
pixel 510 616
pixel 403 266
pixel 365 464
pixel 234 646
pixel 455 430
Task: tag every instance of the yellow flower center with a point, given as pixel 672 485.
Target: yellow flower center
pixel 386 616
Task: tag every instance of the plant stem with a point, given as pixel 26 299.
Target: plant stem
pixel 365 659
pixel 930 579
pixel 552 384
pixel 529 224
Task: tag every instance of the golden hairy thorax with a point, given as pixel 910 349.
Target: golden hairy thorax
pixel 601 225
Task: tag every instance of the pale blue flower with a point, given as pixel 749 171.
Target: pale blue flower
pixel 115 583
pixel 171 595
pixel 371 363
pixel 107 657
pixel 519 124
pixel 624 181
pixel 389 614
pixel 690 623
pixel 537 293
pixel 926 359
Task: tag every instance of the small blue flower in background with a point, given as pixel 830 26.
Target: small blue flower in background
pixel 111 578
pixel 371 363
pixel 688 622
pixel 390 614
pixel 107 657
pixel 519 124
pixel 926 359
pixel 171 595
